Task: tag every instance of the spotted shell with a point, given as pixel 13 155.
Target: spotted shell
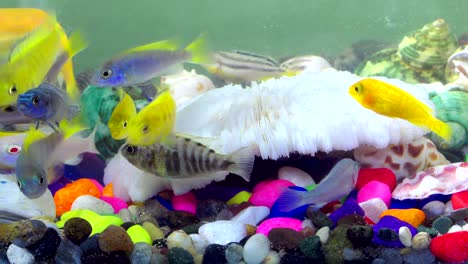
pixel 420 57
pixel 452 107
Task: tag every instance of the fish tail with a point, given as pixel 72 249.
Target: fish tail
pixel 243 162
pixel 77 43
pixel 291 199
pixel 73 111
pixel 199 50
pixel 441 128
pixel 32 135
pixel 69 128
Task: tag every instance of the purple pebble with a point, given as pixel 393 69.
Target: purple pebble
pixel 350 206
pixel 395 224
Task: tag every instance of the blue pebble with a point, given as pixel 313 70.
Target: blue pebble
pixel 299 213
pixel 435 197
pixel 164 202
pixel 394 224
pixel 350 206
pixel 403 204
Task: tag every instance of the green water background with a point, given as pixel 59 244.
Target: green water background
pixel 272 27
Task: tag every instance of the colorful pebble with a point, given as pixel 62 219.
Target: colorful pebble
pixel 375 189
pixel 239 198
pixel 116 203
pixel 186 202
pixel 460 200
pixel 415 217
pixel 98 222
pixel 98 185
pixel 65 197
pixel 138 234
pixel 108 190
pixel 266 193
pixel 383 175
pixel 279 222
pixel 451 248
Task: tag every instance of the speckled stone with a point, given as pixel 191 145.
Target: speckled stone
pixel 336 243
pixel 421 240
pixel 214 253
pixel 22 233
pixel 77 230
pixel 207 210
pixel 179 219
pixel 233 253
pixel 46 248
pixel 142 253
pixel 68 253
pixel 360 235
pixel 387 234
pixel 284 238
pixel 442 224
pixel 115 238
pixel 311 247
pixel 179 255
pixel 18 255
pixel 318 218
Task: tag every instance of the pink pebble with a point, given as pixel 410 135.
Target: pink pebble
pixel 268 193
pixel 117 203
pixel 375 189
pixel 260 185
pixel 98 185
pixel 279 222
pixel 186 202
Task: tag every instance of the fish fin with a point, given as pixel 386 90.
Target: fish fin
pixel 149 90
pixel 243 162
pixel 199 51
pixel 57 172
pixel 72 127
pixel 171 44
pixel 77 43
pixel 291 73
pixel 441 128
pixel 32 136
pixel 291 199
pixel 206 141
pixel 73 111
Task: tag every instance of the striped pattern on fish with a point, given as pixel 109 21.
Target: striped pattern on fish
pixel 186 158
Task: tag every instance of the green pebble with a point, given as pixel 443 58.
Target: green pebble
pixel 179 255
pixel 138 234
pixel 239 198
pixel 154 232
pixel 311 247
pixel 98 222
pixel 466 158
pixel 442 224
pixel 311 187
pixel 431 231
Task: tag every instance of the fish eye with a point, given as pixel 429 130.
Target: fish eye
pixel 145 129
pixel 356 89
pixel 19 184
pixel 14 149
pixel 106 74
pixel 35 100
pixel 125 124
pixel 41 180
pixel 12 90
pixel 131 150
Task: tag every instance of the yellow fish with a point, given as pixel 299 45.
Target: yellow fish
pixel 154 123
pixel 121 116
pixel 391 101
pixel 40 55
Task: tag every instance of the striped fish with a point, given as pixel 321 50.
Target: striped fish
pixel 186 158
pixel 242 67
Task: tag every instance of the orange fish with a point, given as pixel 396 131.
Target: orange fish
pixel 389 100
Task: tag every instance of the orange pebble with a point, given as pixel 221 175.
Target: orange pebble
pixel 415 217
pixel 108 191
pixel 65 197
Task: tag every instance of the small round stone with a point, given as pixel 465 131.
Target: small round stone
pixel 431 231
pixel 142 253
pixel 153 231
pixel 318 218
pixel 199 243
pixel 311 247
pixel 323 233
pixel 256 249
pixel 179 255
pixel 125 215
pixel 223 232
pixel 90 202
pixel 405 236
pixel 26 232
pixel 77 230
pixel 387 234
pixel 284 238
pixel 455 228
pixel 360 235
pixel 214 253
pixel 207 210
pixel 68 253
pixel 433 209
pixel 421 240
pixel 272 258
pixel 46 248
pixel 442 224
pixel 115 238
pixel 234 253
pixel 138 234
pixel 180 239
pixel 19 255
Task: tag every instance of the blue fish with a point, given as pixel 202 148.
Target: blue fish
pixel 48 104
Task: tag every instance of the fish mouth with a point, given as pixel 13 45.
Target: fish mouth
pixel 22 108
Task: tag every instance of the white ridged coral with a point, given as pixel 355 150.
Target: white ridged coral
pixel 307 113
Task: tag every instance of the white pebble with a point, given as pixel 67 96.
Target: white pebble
pixel 252 215
pixel 465 227
pixel 405 236
pixel 223 232
pixel 455 228
pixel 134 212
pixel 373 208
pixel 308 223
pixel 323 233
pixel 89 202
pixel 199 243
pixel 296 176
pixel 125 215
pixel 256 249
pixel 433 209
pixel 448 208
pixel 180 239
pixel 19 255
pixel 273 257
pixel 421 240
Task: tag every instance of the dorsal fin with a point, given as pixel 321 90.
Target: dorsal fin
pixel 168 44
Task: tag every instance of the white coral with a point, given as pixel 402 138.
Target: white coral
pixel 307 113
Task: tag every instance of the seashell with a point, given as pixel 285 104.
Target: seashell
pixel 452 107
pixel 457 68
pixel 420 57
pixel 443 179
pixel 15 206
pixel 403 159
